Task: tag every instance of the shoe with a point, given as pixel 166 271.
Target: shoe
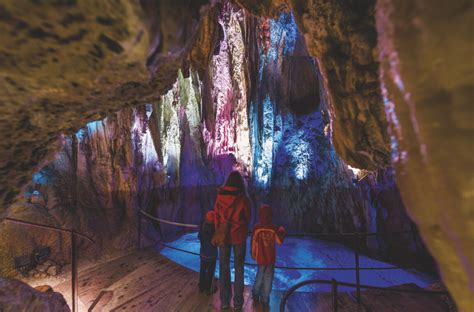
pixel 225 307
pixel 238 309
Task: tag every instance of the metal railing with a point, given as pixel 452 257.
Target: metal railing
pixel 334 291
pixel 73 235
pixel 317 235
pixel 357 250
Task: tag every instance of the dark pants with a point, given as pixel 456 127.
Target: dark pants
pixel 263 283
pixel 224 274
pixel 206 274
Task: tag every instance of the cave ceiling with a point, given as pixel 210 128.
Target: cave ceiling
pixel 64 63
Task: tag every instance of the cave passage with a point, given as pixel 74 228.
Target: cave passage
pixel 256 101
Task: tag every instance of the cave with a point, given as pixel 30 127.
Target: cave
pixel 121 122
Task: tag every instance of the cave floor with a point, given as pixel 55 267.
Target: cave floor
pixel 144 281
pixel 147 281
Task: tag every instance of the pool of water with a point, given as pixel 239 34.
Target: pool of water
pixel 306 252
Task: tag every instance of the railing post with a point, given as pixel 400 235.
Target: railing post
pixel 357 250
pixel 414 237
pixel 139 227
pixel 334 295
pixel 73 272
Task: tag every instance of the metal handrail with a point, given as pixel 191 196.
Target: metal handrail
pixel 288 234
pixel 357 268
pixel 168 222
pixel 73 234
pixel 49 227
pixel 295 268
pixel 335 283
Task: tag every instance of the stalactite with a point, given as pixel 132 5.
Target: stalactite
pixel 229 93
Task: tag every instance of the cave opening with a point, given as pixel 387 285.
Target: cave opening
pixel 143 176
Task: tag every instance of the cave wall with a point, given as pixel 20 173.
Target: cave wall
pixel 295 165
pixel 64 63
pixel 260 107
pixel 427 76
pixel 343 37
pixel 94 186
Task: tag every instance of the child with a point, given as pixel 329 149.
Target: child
pixel 208 254
pixel 264 236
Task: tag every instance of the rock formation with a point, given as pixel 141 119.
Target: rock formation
pixel 18 296
pixel 260 107
pixel 428 88
pixel 65 63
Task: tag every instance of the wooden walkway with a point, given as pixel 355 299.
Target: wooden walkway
pixel 146 281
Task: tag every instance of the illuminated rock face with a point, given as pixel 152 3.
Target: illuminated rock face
pixel 343 37
pixel 295 166
pixel 230 131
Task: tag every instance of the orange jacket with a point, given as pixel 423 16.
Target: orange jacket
pixel 227 198
pixel 264 236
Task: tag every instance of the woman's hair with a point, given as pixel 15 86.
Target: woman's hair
pixel 235 179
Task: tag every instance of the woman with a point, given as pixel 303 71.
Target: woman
pixel 233 196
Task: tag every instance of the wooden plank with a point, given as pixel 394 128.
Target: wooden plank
pixel 147 281
pixel 157 298
pixel 143 278
pixel 100 277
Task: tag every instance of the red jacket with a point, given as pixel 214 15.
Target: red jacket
pixel 227 198
pixel 264 236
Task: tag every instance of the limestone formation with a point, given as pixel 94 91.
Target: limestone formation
pixel 18 296
pixel 64 63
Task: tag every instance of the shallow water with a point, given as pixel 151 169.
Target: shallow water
pixel 306 252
